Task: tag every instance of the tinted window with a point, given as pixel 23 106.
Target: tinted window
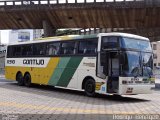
pixel 68 48
pixel 27 50
pixel 39 49
pixel 53 48
pixel 110 42
pixel 87 47
pixel 17 50
pixel 9 51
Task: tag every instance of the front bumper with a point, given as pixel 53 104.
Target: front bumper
pixel 135 89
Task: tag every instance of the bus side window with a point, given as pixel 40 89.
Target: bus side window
pixel 68 48
pixel 17 51
pixel 53 48
pixel 87 47
pixel 39 49
pixel 9 51
pixel 27 50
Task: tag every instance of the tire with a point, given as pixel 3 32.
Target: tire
pixel 27 80
pixel 19 79
pixel 90 88
pixel 116 95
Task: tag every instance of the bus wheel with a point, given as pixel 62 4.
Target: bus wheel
pixel 19 79
pixel 90 87
pixel 27 80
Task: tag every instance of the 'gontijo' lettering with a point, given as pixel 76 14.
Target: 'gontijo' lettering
pixel 33 62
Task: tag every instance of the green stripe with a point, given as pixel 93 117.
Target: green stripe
pixel 65 71
pixel 69 71
pixel 58 71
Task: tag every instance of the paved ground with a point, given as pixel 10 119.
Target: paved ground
pixel 1 73
pixel 67 104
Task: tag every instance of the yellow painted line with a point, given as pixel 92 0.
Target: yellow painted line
pixel 70 110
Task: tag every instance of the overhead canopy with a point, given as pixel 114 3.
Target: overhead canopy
pixel 142 16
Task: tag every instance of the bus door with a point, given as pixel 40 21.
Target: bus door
pixel 113 71
pixel 108 68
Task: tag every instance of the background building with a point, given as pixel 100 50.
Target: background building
pixel 24 35
pixel 13 36
pixel 37 33
pixel 2 55
pixel 156 53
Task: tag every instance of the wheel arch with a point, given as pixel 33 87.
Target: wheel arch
pixel 85 79
pixel 27 73
pixel 19 72
pixel 28 80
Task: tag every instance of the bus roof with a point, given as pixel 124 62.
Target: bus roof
pixel 57 38
pixel 124 35
pixel 72 37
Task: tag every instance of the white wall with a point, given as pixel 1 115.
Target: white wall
pixel 4 36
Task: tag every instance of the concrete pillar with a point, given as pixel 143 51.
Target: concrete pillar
pixel 49 31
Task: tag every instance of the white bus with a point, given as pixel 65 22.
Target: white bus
pixel 105 63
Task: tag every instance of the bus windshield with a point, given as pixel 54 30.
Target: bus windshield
pixel 137 64
pixel 137 54
pixel 138 44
